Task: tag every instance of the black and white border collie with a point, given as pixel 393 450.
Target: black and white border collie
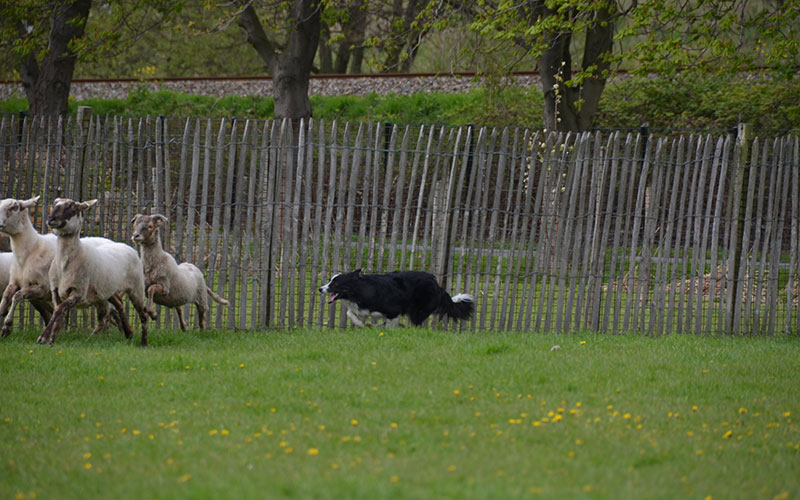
pixel 386 297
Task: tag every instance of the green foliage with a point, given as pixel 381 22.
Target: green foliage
pixel 692 101
pixel 112 28
pixel 711 36
pixel 409 413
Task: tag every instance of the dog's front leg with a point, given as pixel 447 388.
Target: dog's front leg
pixel 354 318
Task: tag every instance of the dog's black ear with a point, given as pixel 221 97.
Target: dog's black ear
pixel 357 271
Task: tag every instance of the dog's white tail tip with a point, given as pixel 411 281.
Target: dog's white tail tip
pixel 463 297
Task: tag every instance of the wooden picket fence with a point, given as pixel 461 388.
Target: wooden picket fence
pixel 615 232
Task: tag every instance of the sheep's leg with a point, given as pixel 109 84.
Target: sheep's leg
pixel 143 318
pixel 45 309
pixel 140 304
pixel 20 295
pixel 5 303
pixel 151 292
pixel 124 325
pixel 105 316
pixel 181 321
pixel 201 316
pixel 102 320
pixel 51 330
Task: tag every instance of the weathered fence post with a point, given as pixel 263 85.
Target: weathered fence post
pixel 741 156
pixel 83 122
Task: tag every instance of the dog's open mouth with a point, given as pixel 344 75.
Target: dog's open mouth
pixel 332 297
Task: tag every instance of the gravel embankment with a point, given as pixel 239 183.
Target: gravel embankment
pixel 322 86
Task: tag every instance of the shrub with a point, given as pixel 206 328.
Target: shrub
pixel 682 102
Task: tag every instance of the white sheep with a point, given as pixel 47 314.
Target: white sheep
pixel 168 283
pixel 32 254
pixel 90 273
pixel 31 257
pixel 6 258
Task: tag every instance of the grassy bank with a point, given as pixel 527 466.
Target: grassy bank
pixel 683 102
pixel 399 414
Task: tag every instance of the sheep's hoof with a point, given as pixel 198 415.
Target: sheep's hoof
pixel 41 340
pixel 5 332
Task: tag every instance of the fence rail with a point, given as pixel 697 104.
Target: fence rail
pixel 551 232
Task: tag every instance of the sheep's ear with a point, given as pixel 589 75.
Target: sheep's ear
pixel 87 204
pixel 29 202
pixel 160 219
pixel 59 200
pixel 135 217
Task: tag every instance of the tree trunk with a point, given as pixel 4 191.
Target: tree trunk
pixel 572 108
pixel 290 67
pixel 47 84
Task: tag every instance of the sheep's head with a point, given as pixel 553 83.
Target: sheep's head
pixel 14 214
pixel 145 228
pixel 65 217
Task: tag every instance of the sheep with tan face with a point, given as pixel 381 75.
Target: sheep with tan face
pixel 168 283
pixel 92 274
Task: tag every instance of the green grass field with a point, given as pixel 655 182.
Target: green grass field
pixel 409 413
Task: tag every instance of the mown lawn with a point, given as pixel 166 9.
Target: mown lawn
pixel 409 413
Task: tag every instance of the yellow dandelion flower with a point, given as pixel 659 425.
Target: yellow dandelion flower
pixel 354 422
pixel 87 456
pixel 213 432
pixel 394 479
pixel 184 478
pixel 225 432
pixel 727 435
pixel 136 432
pixel 694 407
pixel 583 342
pixel 451 468
pixel 313 452
pixel 394 425
pixel 456 392
pixel 742 411
pixel 288 451
pixel 87 466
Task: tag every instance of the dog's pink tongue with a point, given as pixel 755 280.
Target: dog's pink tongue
pixel 332 297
